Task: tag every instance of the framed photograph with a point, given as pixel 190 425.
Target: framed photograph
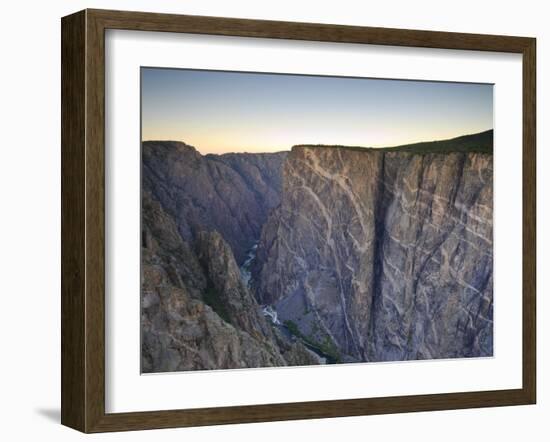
pixel 271 220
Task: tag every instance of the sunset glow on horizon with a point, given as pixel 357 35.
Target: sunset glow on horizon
pixel 219 112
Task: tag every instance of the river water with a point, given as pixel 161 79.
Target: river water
pixel 247 264
pixel 269 311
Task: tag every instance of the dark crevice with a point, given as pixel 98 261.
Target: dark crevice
pixel 380 210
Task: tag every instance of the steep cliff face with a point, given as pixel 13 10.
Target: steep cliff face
pixel 261 172
pixel 382 255
pixel 225 285
pixel 180 331
pixel 362 255
pixel 232 194
pixel 196 312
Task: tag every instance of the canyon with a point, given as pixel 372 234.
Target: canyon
pixel 324 254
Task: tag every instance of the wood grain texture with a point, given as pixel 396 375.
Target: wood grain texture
pixel 144 21
pixel 95 222
pixel 529 221
pixel 73 128
pixel 83 220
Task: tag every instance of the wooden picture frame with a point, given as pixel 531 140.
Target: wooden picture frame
pixel 83 220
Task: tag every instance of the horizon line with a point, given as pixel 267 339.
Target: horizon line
pixel 321 144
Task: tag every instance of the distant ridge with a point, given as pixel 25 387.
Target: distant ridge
pixel 481 142
pixel 476 143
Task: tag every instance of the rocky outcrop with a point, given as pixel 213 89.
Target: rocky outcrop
pixel 382 255
pixel 196 313
pixel 232 194
pixel 360 255
pixel 225 285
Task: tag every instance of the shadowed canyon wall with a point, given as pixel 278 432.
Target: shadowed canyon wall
pixel 359 255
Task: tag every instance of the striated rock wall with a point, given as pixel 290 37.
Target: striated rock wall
pixel 382 255
pixel 362 255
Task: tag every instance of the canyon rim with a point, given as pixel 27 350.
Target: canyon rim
pixel 310 254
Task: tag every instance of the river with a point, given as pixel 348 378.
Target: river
pixel 270 313
pixel 247 264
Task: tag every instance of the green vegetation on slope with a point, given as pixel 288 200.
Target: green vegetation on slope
pixel 212 298
pixel 475 143
pixel 327 348
pixel 479 143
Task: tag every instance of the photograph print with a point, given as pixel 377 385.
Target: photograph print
pixel 297 220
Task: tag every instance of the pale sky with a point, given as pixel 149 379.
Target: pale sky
pixel 219 112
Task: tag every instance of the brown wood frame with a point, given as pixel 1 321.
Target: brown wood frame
pixel 83 217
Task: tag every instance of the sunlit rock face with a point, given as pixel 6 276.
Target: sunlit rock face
pixel 383 255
